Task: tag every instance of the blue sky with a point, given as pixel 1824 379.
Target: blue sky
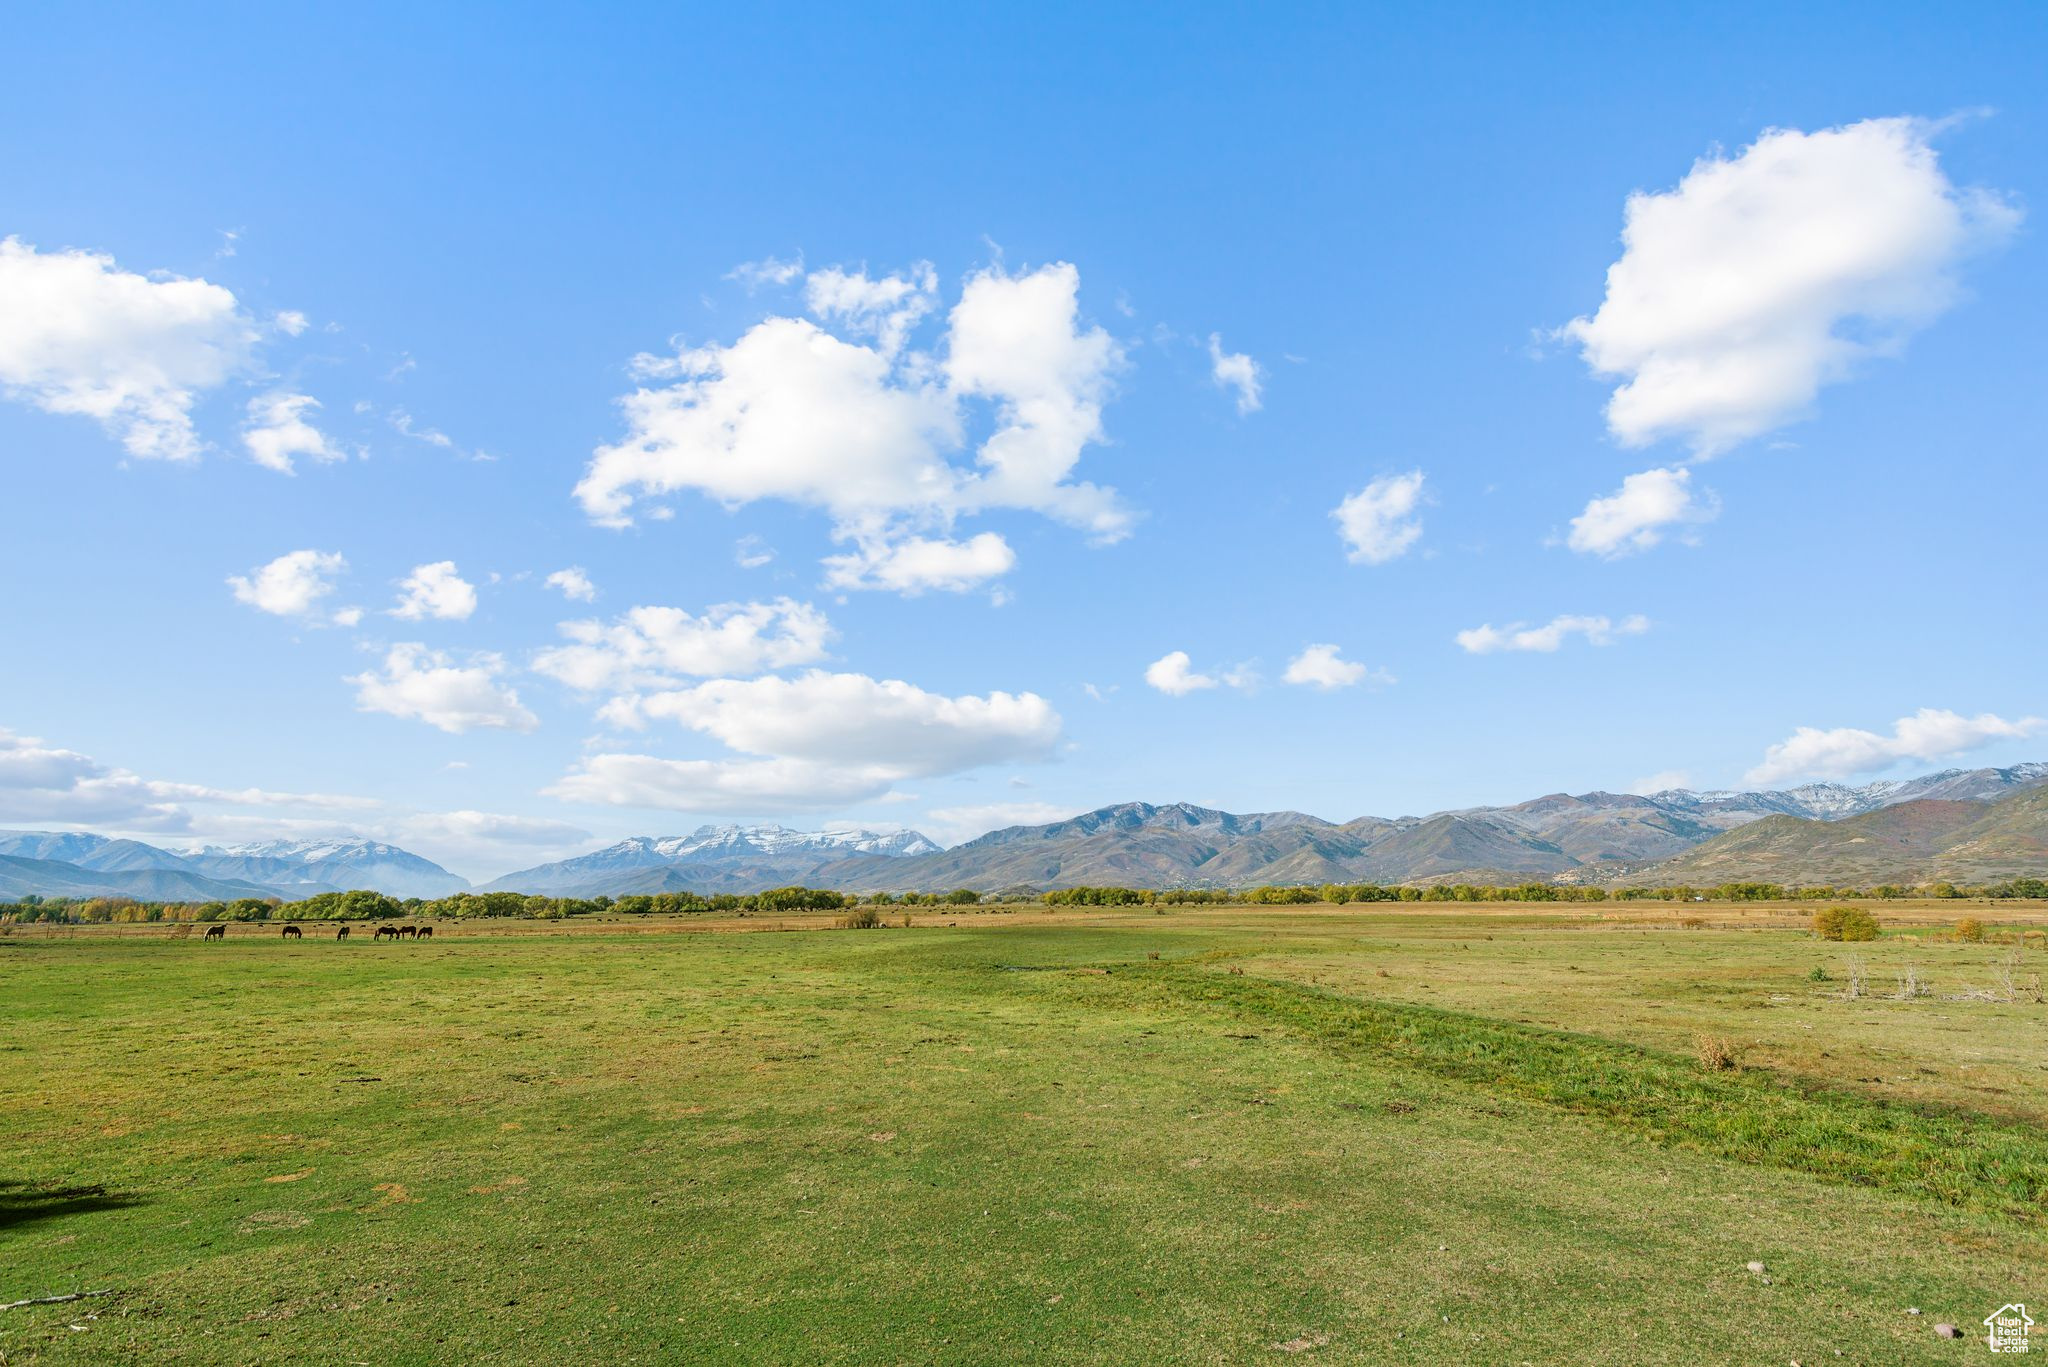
pixel 989 237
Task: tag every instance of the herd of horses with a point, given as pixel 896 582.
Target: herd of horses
pixel 219 931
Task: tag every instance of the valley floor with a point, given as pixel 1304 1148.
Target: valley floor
pixel 1475 1134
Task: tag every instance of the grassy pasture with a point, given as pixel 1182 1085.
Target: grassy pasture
pixel 1375 1134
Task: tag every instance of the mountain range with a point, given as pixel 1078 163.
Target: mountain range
pixel 1963 825
pixel 80 864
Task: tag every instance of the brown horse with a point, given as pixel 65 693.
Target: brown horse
pixel 341 934
pixel 215 932
pixel 385 933
pixel 292 933
pixel 426 932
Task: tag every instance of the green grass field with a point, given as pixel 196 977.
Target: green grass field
pixel 1319 1134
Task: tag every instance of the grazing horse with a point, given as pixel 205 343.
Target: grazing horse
pixel 215 932
pixel 426 932
pixel 341 934
pixel 409 932
pixel 385 933
pixel 292 933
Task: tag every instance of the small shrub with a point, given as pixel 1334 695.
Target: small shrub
pixel 1715 1054
pixel 1970 930
pixel 1844 923
pixel 1819 975
pixel 861 918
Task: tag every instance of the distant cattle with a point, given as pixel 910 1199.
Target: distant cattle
pixel 215 932
pixel 293 933
pixel 341 934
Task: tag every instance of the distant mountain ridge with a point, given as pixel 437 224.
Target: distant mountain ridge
pixel 1920 840
pixel 1803 834
pixel 81 864
pixel 710 859
pixel 1591 836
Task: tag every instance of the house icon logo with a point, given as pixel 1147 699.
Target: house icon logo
pixel 2005 1329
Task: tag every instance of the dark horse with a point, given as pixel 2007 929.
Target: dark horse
pixel 341 934
pixel 426 932
pixel 292 933
pixel 384 933
pixel 215 932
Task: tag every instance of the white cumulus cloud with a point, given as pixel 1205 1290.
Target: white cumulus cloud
pixel 1235 371
pixel 1598 631
pixel 435 590
pixel 1635 516
pixel 1764 276
pixel 648 647
pixel 885 309
pixel 291 585
pixel 1319 667
pixel 277 431
pixel 1174 673
pixel 1929 734
pixel 419 684
pixel 1379 522
pixel 81 336
pixel 816 740
pixel 913 564
pixel 867 431
pixel 574 584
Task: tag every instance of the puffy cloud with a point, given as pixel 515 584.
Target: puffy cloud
pixel 1598 631
pixel 1633 517
pixel 952 825
pixel 1765 276
pixel 851 719
pixel 290 322
pixel 574 584
pixel 1174 673
pixel 787 412
pixel 1319 667
pixel 435 590
pixel 651 646
pixel 822 740
pixel 1016 340
pixel 1378 522
pixel 277 431
pixel 885 309
pixel 1929 734
pixel 914 564
pixel 1235 371
pixel 291 585
pixel 866 432
pixel 45 784
pixel 79 335
pixel 419 684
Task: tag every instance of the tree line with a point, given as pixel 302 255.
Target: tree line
pixel 364 905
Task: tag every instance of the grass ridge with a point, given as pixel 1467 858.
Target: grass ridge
pixel 1957 1158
